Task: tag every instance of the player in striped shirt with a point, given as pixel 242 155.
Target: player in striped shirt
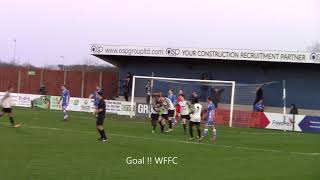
pixel 64 100
pixel 184 111
pixel 6 103
pixel 167 112
pixel 155 113
pixel 195 119
pixel 210 116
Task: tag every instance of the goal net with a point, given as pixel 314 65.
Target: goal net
pixel 234 101
pixel 222 91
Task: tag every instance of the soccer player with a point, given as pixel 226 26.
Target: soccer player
pixel 178 107
pixel 95 97
pixel 65 97
pixel 184 112
pixel 195 119
pixel 101 112
pixel 155 110
pixel 173 99
pixel 6 107
pixel 210 120
pixel 157 99
pixel 168 111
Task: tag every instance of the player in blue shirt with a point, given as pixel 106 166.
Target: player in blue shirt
pixel 210 120
pixel 173 99
pixel 64 100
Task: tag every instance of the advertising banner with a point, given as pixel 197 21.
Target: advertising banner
pixel 113 106
pixel 21 100
pixel 310 124
pixel 86 105
pixel 41 102
pixel 74 104
pixel 54 103
pixel 142 109
pixel 281 122
pixel 208 53
pixel 126 108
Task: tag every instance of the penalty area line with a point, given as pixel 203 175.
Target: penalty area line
pixel 177 141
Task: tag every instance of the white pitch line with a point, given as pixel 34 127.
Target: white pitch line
pixel 224 131
pixel 141 122
pixel 178 141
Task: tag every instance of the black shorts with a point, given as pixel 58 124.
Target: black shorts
pixel 170 113
pixel 7 110
pixel 154 117
pixel 165 116
pixel 187 117
pixel 194 123
pixel 100 120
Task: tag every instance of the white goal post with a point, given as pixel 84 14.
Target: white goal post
pixel 232 83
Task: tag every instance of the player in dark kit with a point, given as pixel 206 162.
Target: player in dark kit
pixel 101 112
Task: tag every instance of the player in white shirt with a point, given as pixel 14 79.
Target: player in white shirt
pixel 6 107
pixel 184 112
pixel 167 112
pixel 195 119
pixel 155 111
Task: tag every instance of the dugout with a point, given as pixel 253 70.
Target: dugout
pixel 301 70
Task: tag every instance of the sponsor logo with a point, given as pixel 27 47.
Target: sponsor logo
pixel 281 123
pixel 96 49
pixel 143 109
pixel 85 108
pixel 125 107
pixel 172 52
pixel 24 98
pixel 85 102
pixel 315 56
pixel 76 102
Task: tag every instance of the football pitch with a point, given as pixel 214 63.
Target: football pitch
pixel 46 148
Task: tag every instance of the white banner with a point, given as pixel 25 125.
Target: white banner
pixel 207 53
pixel 75 104
pixel 21 100
pixel 126 108
pixel 277 121
pixel 113 106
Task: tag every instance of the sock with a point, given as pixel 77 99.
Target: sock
pixel 191 132
pixel 103 134
pixel 65 113
pixel 161 127
pixel 11 120
pixel 205 132
pixel 154 127
pixel 170 124
pixel 214 133
pixel 185 128
pixel 199 132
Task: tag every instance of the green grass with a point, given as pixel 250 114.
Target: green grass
pixel 45 148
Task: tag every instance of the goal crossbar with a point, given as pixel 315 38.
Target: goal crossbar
pixel 181 79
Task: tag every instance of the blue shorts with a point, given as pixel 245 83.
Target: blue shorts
pixel 209 122
pixel 64 105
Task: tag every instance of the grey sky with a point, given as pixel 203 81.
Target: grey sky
pixel 48 29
